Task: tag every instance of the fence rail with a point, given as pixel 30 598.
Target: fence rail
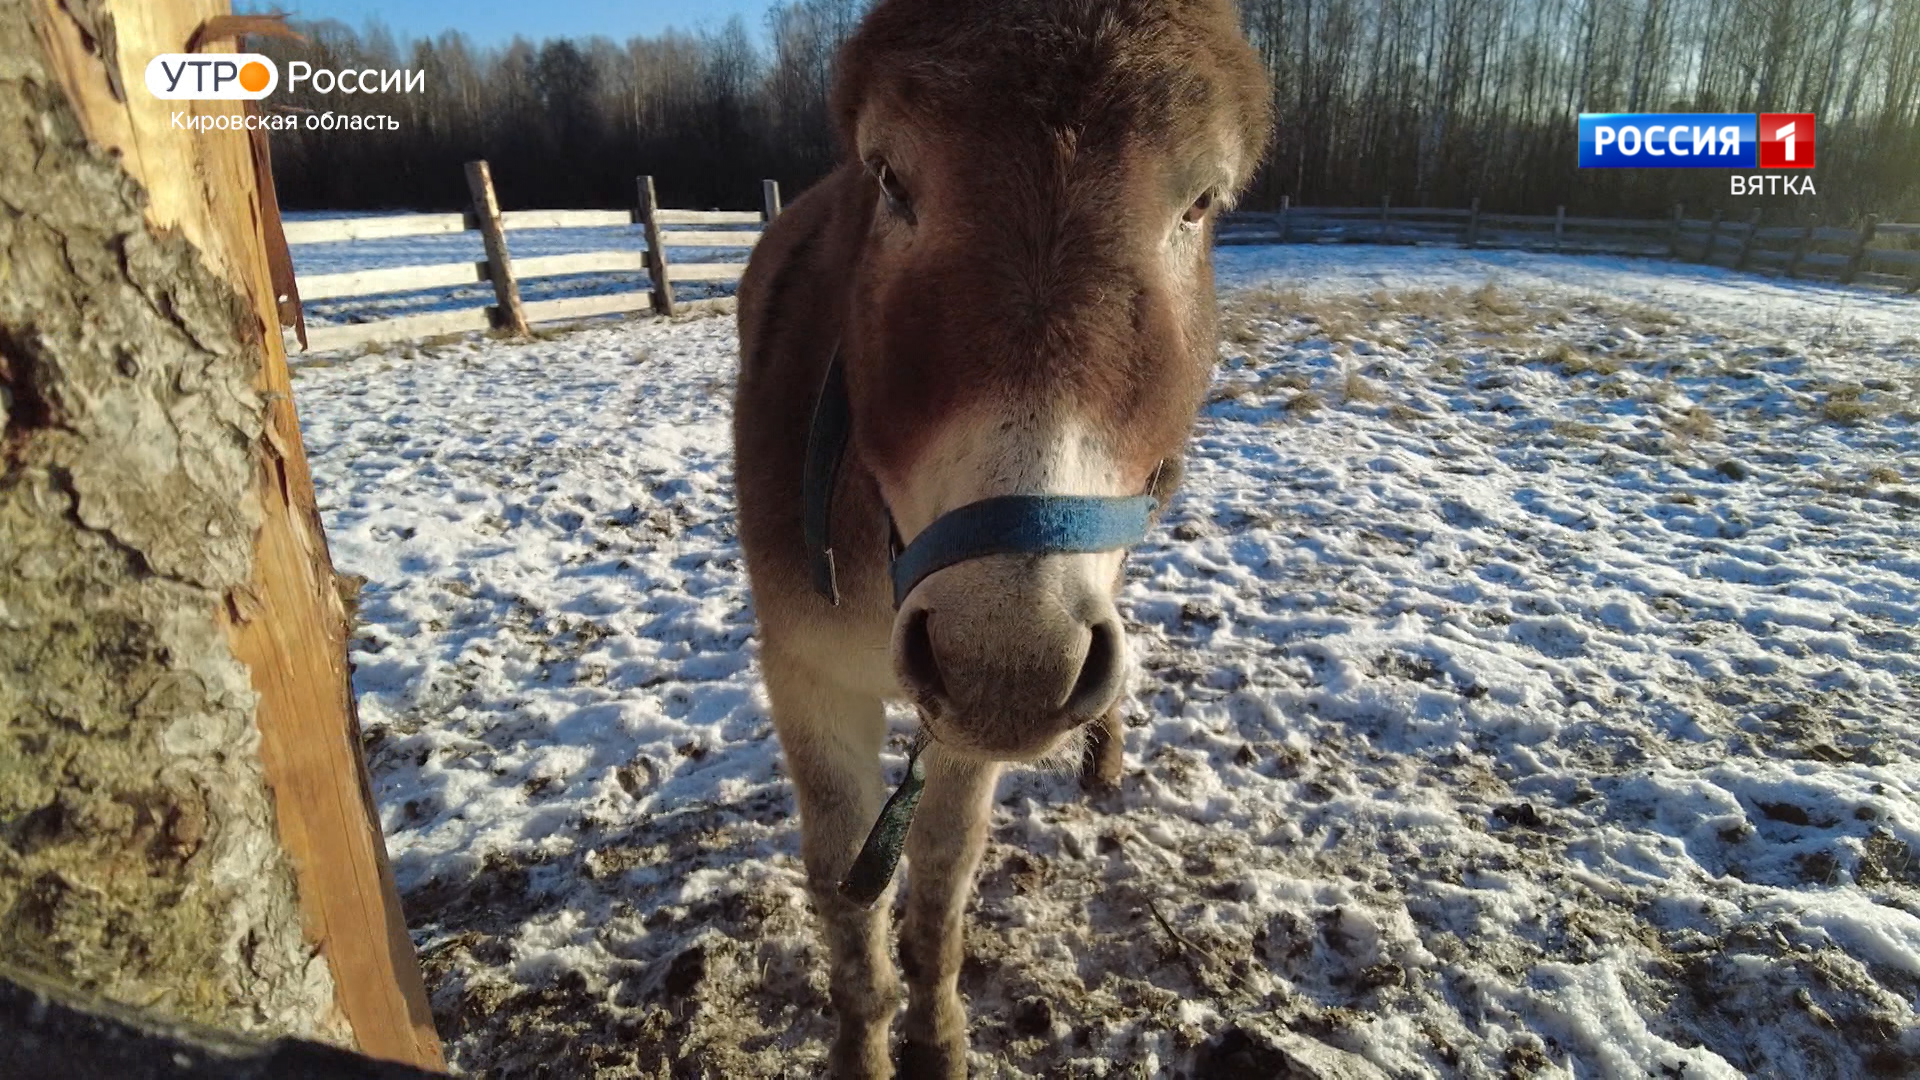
pixel 374 228
pixel 1469 227
pixel 1849 255
pixel 1867 254
pixel 662 228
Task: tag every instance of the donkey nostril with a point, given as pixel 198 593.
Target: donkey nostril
pixel 1100 673
pixel 918 664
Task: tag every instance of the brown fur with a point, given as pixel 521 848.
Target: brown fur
pixel 1043 292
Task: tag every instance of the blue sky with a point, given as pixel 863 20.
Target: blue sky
pixel 490 22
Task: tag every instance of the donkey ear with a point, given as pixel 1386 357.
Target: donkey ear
pixel 1244 81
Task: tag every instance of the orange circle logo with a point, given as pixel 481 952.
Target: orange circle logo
pixel 254 77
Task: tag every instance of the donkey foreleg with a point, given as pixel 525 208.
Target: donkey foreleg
pixel 831 740
pixel 943 850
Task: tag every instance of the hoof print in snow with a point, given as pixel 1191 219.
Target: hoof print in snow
pixel 1819 868
pixel 1886 858
pixel 1521 814
pixel 1785 812
pixel 1732 469
pixel 1033 1017
pixel 685 973
pixel 1241 1052
pixel 1411 668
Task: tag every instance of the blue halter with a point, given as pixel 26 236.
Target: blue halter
pixel 1003 525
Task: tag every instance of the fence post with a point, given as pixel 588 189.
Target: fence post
pixel 1800 249
pixel 509 315
pixel 1860 249
pixel 1473 223
pixel 647 213
pixel 769 200
pixel 1286 202
pixel 1384 201
pixel 1559 227
pixel 1713 234
pixel 1746 243
pixel 1673 234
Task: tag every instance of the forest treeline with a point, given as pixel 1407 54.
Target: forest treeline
pixel 1427 102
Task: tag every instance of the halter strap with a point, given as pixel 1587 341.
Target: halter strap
pixel 826 446
pixel 1002 525
pixel 1022 525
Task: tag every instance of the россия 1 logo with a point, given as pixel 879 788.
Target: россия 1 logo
pixel 215 77
pixel 1696 140
pixel 1786 140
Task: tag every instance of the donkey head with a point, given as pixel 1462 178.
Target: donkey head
pixel 1032 313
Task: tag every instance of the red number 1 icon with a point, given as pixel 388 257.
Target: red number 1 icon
pixel 1786 140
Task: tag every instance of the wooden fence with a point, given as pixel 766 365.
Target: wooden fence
pixel 1471 227
pixel 1866 254
pixel 663 228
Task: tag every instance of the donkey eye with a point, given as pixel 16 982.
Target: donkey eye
pixel 1199 208
pixel 898 200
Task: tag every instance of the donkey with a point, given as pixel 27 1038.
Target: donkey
pixel 971 359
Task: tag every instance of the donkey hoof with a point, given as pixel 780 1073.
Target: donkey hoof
pixel 860 1055
pixel 927 1061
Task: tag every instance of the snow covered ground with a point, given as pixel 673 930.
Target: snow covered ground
pixel 1530 687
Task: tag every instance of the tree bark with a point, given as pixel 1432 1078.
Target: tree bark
pixel 185 822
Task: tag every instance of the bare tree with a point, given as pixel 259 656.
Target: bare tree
pixel 1427 101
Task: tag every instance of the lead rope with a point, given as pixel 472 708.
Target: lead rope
pixel 872 870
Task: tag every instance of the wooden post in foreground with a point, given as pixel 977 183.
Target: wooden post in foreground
pixel 1559 227
pixel 1713 234
pixel 1473 223
pixel 1286 204
pixel 183 748
pixel 769 200
pixel 647 212
pixel 509 315
pixel 1673 234
pixel 1385 200
pixel 1859 253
